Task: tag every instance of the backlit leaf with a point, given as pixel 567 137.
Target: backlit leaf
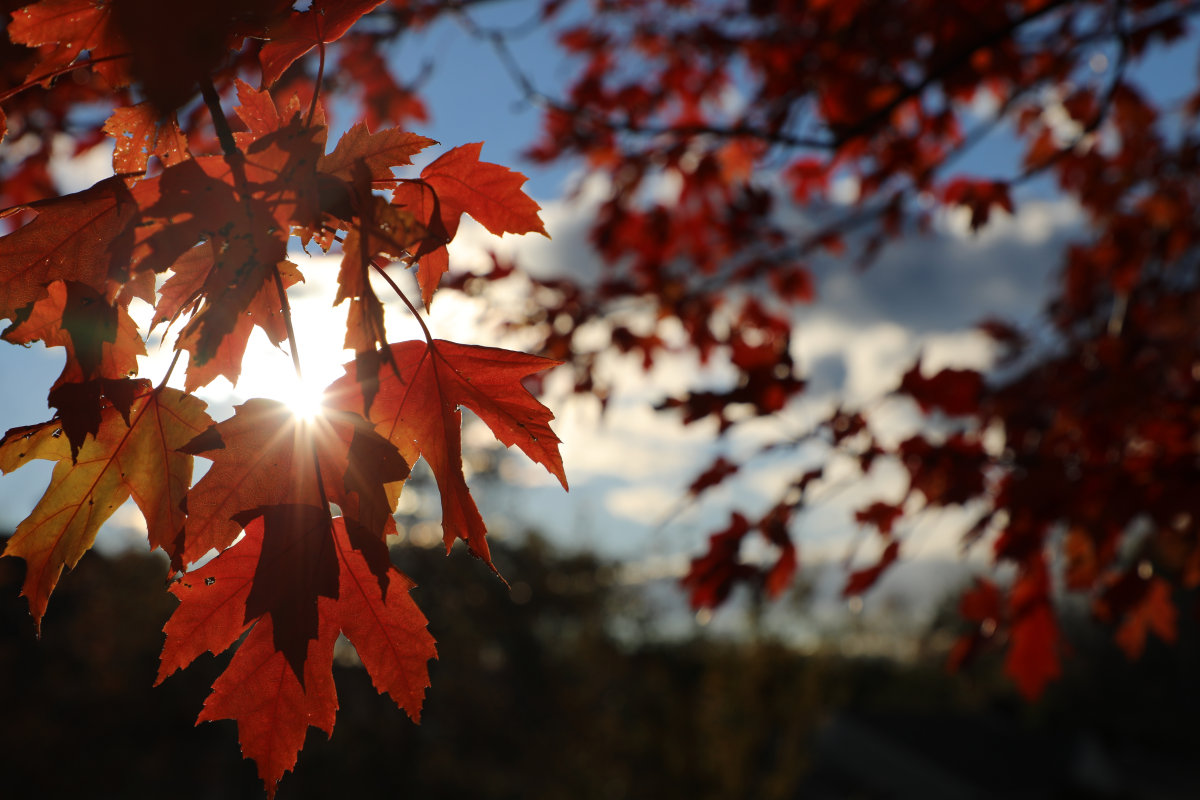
pixel 139 459
pixel 417 409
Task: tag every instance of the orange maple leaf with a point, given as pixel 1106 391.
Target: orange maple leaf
pixel 1155 612
pixel 83 237
pixel 141 132
pixel 138 458
pixel 378 151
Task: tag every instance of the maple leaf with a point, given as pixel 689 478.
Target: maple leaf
pixel 946 473
pixel 378 151
pixel 459 183
pixel 265 456
pixel 141 132
pixel 321 23
pixel 712 576
pixel 130 455
pixel 774 527
pixel 863 579
pixel 84 237
pixel 1156 612
pixel 62 29
pixel 952 391
pixel 296 567
pixel 384 624
pixel 183 290
pixel 101 340
pixel 273 708
pixel 981 605
pixel 1032 660
pixel 417 409
pixel 717 472
pixel 79 406
pixel 1144 605
pixel 127 40
pixel 196 203
pixel 381 230
pixel 882 516
pixel 245 214
pixel 102 345
pixel 211 615
pixel 281 153
pixel 272 701
pixel 979 197
pixel 387 231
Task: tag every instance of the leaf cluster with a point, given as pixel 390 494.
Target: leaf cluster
pixel 199 226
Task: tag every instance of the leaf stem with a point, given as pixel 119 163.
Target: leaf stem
pixel 286 309
pixel 170 369
pixel 312 108
pixel 406 301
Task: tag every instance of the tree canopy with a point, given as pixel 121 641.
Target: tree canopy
pixel 724 135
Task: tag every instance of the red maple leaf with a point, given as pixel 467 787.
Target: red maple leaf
pixel 417 405
pixel 459 183
pixel 62 29
pixel 717 472
pixel 320 23
pixel 863 579
pixel 1032 659
pixel 951 391
pixel 378 151
pixel 712 576
pixel 320 586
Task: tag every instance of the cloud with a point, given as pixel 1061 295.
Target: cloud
pixel 74 173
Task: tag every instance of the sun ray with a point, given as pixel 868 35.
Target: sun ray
pixel 304 398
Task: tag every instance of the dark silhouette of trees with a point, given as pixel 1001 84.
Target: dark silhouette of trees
pixel 536 690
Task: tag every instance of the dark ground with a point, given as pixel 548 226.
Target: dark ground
pixel 536 699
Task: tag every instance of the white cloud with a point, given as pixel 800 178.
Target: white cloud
pixel 74 173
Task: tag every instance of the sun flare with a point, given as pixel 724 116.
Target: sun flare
pixel 304 400
pixel 271 374
pixel 268 371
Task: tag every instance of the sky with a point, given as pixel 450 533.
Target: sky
pixel 629 467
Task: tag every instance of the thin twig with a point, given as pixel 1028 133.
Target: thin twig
pixel 221 124
pixel 29 84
